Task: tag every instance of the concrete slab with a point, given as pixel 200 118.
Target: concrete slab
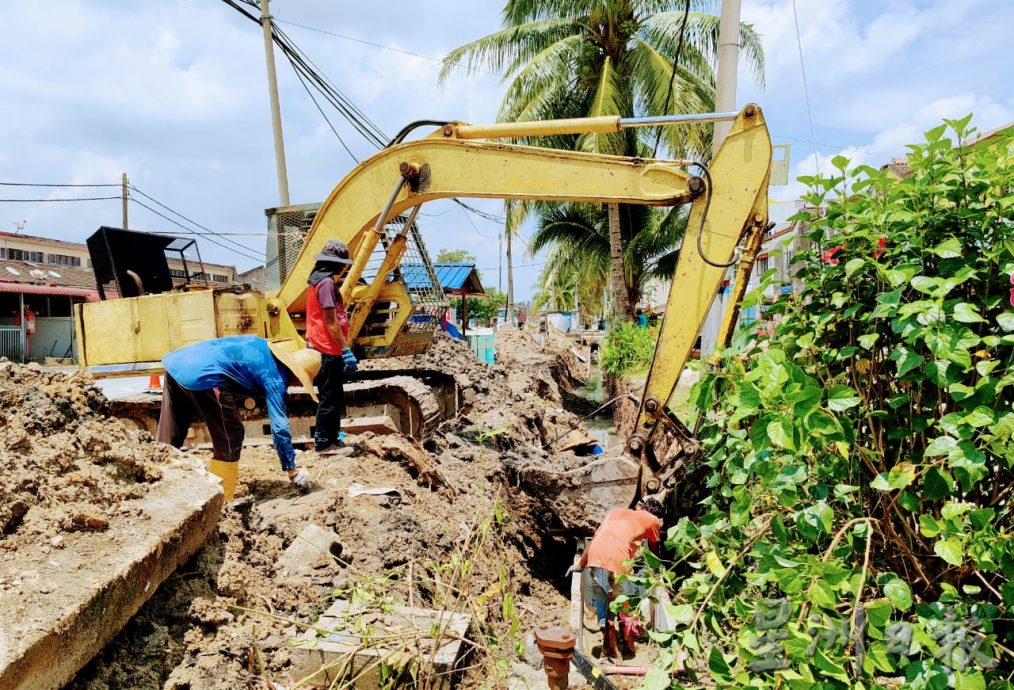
pixel 65 604
pixel 359 640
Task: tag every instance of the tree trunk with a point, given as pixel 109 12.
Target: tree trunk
pixel 622 309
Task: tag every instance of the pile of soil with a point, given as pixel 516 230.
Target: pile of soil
pixel 68 466
pixel 226 618
pixel 514 404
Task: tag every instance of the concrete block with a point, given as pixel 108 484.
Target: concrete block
pixel 314 547
pixel 366 638
pixel 66 605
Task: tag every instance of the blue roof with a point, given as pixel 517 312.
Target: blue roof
pixel 452 276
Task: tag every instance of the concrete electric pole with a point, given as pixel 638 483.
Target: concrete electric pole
pixel 124 183
pixel 276 111
pixel 728 59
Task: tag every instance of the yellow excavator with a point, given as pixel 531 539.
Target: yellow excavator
pixel 395 300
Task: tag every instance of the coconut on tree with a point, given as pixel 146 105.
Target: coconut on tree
pixel 589 58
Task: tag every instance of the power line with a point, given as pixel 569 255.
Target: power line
pixel 209 239
pixel 189 220
pixel 84 198
pixel 672 79
pixel 41 184
pixel 806 89
pixel 835 147
pixel 376 45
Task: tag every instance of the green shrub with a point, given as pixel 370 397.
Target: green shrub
pixel 857 465
pixel 628 349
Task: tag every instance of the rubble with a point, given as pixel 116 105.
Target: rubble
pixel 93 517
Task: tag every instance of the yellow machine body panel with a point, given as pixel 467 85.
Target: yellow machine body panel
pixel 143 329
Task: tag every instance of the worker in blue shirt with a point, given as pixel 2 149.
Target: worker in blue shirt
pixel 210 379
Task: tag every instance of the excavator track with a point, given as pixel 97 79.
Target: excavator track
pixel 410 402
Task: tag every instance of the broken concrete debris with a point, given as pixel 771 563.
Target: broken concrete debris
pixel 357 645
pixel 313 548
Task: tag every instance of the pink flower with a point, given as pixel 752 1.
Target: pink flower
pixel 1012 290
pixel 828 256
pixel 881 245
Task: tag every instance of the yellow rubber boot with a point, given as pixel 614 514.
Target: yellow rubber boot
pixel 227 472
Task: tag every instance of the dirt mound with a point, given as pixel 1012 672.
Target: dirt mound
pixel 67 466
pixel 515 404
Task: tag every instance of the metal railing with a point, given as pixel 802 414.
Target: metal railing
pixel 12 343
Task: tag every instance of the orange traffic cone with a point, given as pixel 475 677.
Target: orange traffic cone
pixel 154 382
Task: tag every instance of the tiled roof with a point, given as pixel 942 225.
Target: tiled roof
pixel 899 166
pixel 65 276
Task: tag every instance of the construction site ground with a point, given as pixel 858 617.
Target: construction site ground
pixel 473 521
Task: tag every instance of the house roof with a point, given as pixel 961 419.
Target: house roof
pixel 899 166
pixel 453 277
pixel 64 276
pixel 29 289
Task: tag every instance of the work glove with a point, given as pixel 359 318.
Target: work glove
pixel 572 569
pixel 301 478
pixel 350 360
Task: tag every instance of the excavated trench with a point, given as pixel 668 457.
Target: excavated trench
pixel 226 618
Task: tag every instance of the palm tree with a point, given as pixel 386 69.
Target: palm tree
pixel 586 58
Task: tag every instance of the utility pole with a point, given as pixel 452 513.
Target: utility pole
pixel 276 111
pixel 508 231
pixel 499 265
pixel 728 59
pixel 124 181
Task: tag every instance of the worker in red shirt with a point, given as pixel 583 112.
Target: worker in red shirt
pixel 327 332
pixel 615 543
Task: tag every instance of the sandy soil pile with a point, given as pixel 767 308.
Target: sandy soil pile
pixel 515 404
pixel 68 467
pixel 225 619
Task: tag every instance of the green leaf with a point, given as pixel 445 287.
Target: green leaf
pixel 656 679
pixel 853 265
pixel 948 249
pixel 822 596
pixel 1006 320
pixel 937 484
pixel 682 613
pixel 841 398
pixel 780 433
pixel 867 340
pixel 898 593
pixel 967 313
pixel 941 445
pixel 969 680
pixel 928 526
pixel 907 360
pixel 950 550
pixel 717 664
pixel 899 477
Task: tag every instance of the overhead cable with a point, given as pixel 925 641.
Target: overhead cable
pixel 190 231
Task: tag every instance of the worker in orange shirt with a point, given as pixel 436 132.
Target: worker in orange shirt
pixel 615 543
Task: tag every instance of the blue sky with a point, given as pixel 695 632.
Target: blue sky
pixel 173 93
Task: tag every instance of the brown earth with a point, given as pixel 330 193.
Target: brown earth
pixel 68 467
pixel 459 534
